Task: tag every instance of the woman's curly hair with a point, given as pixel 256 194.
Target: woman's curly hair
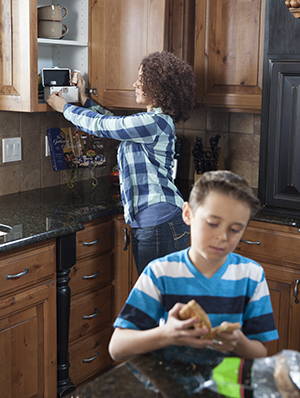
pixel 169 83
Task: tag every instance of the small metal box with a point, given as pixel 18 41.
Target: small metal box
pixel 58 79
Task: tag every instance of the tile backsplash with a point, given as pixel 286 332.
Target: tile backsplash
pixel 240 134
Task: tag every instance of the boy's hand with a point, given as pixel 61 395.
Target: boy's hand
pixel 226 341
pixel 178 332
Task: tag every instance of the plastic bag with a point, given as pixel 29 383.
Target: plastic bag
pixel 269 377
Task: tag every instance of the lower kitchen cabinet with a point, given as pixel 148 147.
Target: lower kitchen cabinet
pixel 91 310
pixel 28 322
pixel 125 274
pixel 89 355
pixel 277 249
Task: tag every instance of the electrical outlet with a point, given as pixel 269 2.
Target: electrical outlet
pixel 11 149
pixel 47 148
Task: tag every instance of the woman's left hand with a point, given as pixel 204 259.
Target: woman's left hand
pixel 56 101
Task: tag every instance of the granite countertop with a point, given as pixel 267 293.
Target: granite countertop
pixel 47 213
pixel 170 373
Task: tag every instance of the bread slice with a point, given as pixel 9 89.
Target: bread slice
pixel 193 309
pixel 283 380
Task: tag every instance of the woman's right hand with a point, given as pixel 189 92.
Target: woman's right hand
pixel 81 90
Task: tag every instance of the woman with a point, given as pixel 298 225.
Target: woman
pixel 152 203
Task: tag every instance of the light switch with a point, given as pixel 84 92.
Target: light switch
pixel 11 149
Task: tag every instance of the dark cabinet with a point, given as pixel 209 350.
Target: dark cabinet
pixel 279 180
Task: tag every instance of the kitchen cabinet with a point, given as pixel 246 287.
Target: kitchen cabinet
pixel 276 248
pixel 107 40
pixel 279 185
pixel 28 322
pixel 125 270
pixel 229 37
pixel 91 300
pixel 126 31
pixel 23 54
pixel 123 33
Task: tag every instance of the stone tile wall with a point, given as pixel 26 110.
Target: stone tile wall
pixel 239 141
pixel 35 170
pixel 240 133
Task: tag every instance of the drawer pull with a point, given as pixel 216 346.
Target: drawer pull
pixel 296 291
pixel 96 312
pixel 249 242
pixel 91 276
pixel 125 239
pixel 90 359
pixel 17 275
pixel 91 243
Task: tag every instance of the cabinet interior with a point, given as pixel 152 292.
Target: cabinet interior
pixel 72 50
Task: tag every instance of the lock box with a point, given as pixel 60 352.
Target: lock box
pixel 58 79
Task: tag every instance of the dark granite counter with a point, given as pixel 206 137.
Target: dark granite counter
pixel 46 213
pixel 171 375
pixel 42 214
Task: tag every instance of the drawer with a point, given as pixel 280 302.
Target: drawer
pixel 282 248
pixel 26 267
pixel 95 271
pixel 89 356
pixel 90 312
pixel 94 239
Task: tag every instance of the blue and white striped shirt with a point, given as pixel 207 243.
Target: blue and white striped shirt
pixel 237 292
pixel 145 154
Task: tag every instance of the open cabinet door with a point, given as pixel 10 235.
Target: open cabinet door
pixel 121 34
pixel 18 54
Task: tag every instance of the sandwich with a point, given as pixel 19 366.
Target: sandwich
pixel 193 309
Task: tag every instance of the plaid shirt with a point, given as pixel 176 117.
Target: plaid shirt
pixel 145 154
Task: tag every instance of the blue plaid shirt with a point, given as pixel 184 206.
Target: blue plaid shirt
pixel 145 154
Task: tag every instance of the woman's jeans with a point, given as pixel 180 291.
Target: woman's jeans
pixel 154 242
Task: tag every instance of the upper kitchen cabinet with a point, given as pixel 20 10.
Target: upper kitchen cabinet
pixel 229 39
pixel 279 182
pixel 18 48
pixel 121 34
pixel 23 55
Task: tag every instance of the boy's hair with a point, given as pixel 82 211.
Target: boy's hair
pixel 169 83
pixel 224 182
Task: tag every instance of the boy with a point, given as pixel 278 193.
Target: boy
pixel 229 287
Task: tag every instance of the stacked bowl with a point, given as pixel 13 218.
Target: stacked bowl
pixel 50 19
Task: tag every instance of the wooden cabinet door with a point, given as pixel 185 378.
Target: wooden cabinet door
pixel 286 307
pixel 121 34
pixel 125 269
pixel 27 344
pixel 18 55
pixel 229 53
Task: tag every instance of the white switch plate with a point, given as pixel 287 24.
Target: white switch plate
pixel 11 149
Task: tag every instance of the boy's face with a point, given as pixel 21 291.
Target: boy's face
pixel 216 228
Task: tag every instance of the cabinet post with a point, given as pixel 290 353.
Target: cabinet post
pixel 66 258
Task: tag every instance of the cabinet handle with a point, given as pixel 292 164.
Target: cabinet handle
pixel 96 312
pixel 296 291
pixel 125 239
pixel 17 275
pixel 90 359
pixel 91 243
pixel 91 276
pixel 93 91
pixel 249 242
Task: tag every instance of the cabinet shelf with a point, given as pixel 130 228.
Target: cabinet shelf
pixel 58 42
